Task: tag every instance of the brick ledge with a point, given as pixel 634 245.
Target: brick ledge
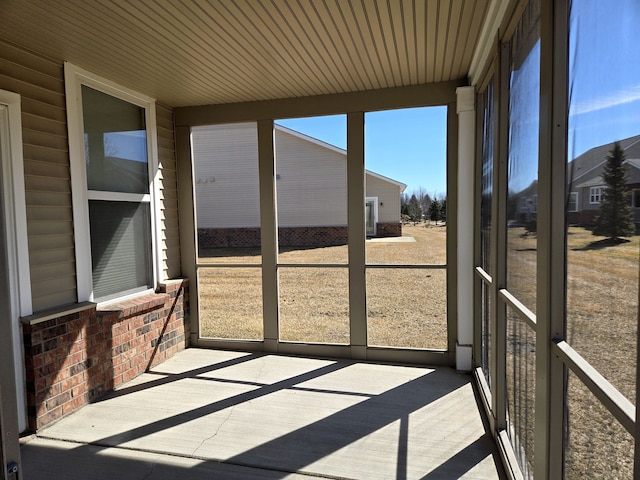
pixel 133 306
pixel 56 312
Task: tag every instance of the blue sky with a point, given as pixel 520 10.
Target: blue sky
pixel 407 145
pixel 605 73
pixel 410 145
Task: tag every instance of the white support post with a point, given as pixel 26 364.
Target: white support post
pixel 466 147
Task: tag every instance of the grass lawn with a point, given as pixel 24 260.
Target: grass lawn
pixel 406 307
pixel 602 325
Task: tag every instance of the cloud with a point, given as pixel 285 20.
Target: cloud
pixel 614 99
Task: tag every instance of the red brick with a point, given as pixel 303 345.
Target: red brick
pixel 37 361
pixel 128 375
pixel 77 325
pixel 61 375
pixel 78 346
pixel 73 404
pixel 36 337
pixel 50 417
pixel 79 391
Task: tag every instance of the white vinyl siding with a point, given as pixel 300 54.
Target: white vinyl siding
pixel 311 183
pixel 40 83
pixel 226 175
pixel 312 188
pixel 168 194
pixel 388 194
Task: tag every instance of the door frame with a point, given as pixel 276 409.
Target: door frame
pixel 17 273
pixel 375 214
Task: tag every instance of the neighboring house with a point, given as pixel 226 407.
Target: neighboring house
pixel 311 189
pixel 587 186
pixel 523 206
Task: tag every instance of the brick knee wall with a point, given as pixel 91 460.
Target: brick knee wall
pixel 389 229
pixel 287 237
pixel 228 237
pixel 73 359
pixel 312 236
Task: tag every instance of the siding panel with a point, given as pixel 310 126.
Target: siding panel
pixel 311 186
pixel 170 243
pixel 40 82
pixel 389 195
pixel 228 154
pixel 312 190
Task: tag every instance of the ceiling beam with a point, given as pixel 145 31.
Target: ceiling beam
pixel 427 95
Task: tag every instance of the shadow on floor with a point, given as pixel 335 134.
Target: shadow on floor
pixel 325 418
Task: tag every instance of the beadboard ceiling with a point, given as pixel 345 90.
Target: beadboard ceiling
pixel 198 52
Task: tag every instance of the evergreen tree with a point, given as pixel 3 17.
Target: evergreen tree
pixel 414 209
pixel 435 210
pixel 443 210
pixel 615 218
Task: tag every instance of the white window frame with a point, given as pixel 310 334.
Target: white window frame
pixel 576 197
pixel 75 78
pixel 595 195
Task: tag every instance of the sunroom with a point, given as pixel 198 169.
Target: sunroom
pixel 106 278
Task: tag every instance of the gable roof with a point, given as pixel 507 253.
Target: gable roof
pixel 599 182
pixel 339 150
pixel 597 156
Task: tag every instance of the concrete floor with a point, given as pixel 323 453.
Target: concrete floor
pixel 232 415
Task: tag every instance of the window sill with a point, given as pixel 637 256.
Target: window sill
pixel 133 306
pixel 56 312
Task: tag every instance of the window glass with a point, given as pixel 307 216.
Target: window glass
pixel 486 199
pixel 603 246
pixel 524 105
pixel 486 186
pixel 521 255
pixel 120 246
pixel 118 193
pixel 595 194
pixel 115 144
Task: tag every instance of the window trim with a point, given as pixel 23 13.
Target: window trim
pixel 576 195
pixel 75 78
pixel 375 213
pixel 593 194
